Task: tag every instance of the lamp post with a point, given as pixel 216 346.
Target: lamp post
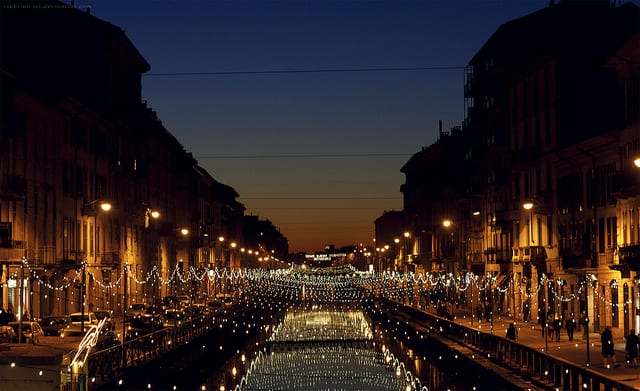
pixel 124 315
pixel 220 256
pixel 587 279
pixel 529 206
pixel 90 210
pixel 405 249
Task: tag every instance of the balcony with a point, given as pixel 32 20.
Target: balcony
pixel 12 249
pixel 46 256
pixel 8 243
pixel 630 256
pixel 110 259
pixel 628 185
pixel 13 187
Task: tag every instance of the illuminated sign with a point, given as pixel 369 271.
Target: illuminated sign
pixel 324 256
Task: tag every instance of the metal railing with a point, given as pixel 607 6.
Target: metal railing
pixel 528 362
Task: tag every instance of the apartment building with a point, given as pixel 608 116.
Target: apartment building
pixel 75 136
pixel 547 215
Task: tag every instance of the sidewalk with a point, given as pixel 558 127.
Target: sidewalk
pixel 530 334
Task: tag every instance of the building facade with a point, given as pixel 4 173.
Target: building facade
pixel 75 136
pixel 547 212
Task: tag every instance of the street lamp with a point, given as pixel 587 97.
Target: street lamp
pixel 587 279
pixel 529 206
pixel 150 214
pixel 89 210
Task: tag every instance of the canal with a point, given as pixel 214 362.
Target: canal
pixel 314 348
pixel 348 349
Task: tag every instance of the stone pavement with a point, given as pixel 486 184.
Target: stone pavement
pixel 575 351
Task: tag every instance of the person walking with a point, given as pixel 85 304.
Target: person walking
pixel 551 328
pixel 584 322
pixel 631 348
pixel 512 332
pixel 479 312
pixel 526 310
pixel 570 325
pixel 608 353
pixel 557 327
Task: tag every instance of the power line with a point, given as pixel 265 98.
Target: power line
pixel 298 156
pixel 320 70
pixel 320 198
pixel 314 208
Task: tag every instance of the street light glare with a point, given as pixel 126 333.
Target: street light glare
pixel 105 206
pixel 636 162
pixel 155 214
pixel 527 205
pixel 446 223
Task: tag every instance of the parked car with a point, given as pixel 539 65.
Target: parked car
pixel 106 340
pixel 144 324
pixel 136 309
pixel 197 309
pixel 7 334
pixel 54 324
pixel 173 317
pixel 90 320
pixel 110 323
pixel 225 298
pixel 183 300
pixel 31 331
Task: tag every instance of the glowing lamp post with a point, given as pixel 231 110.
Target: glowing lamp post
pixel 529 206
pixel 90 210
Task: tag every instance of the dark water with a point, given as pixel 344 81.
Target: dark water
pixel 306 367
pixel 220 360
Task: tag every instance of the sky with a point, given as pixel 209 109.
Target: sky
pixel 316 151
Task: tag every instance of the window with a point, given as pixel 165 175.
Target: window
pixel 615 319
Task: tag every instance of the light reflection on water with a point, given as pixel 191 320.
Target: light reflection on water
pixel 322 349
pixel 322 368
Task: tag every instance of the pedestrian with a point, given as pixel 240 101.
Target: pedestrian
pixel 526 310
pixel 550 324
pixel 570 325
pixel 557 327
pixel 487 311
pixel 512 332
pixel 543 321
pixel 631 348
pixel 479 312
pixel 584 322
pixel 608 353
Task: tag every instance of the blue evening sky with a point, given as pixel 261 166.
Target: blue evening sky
pixel 232 123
